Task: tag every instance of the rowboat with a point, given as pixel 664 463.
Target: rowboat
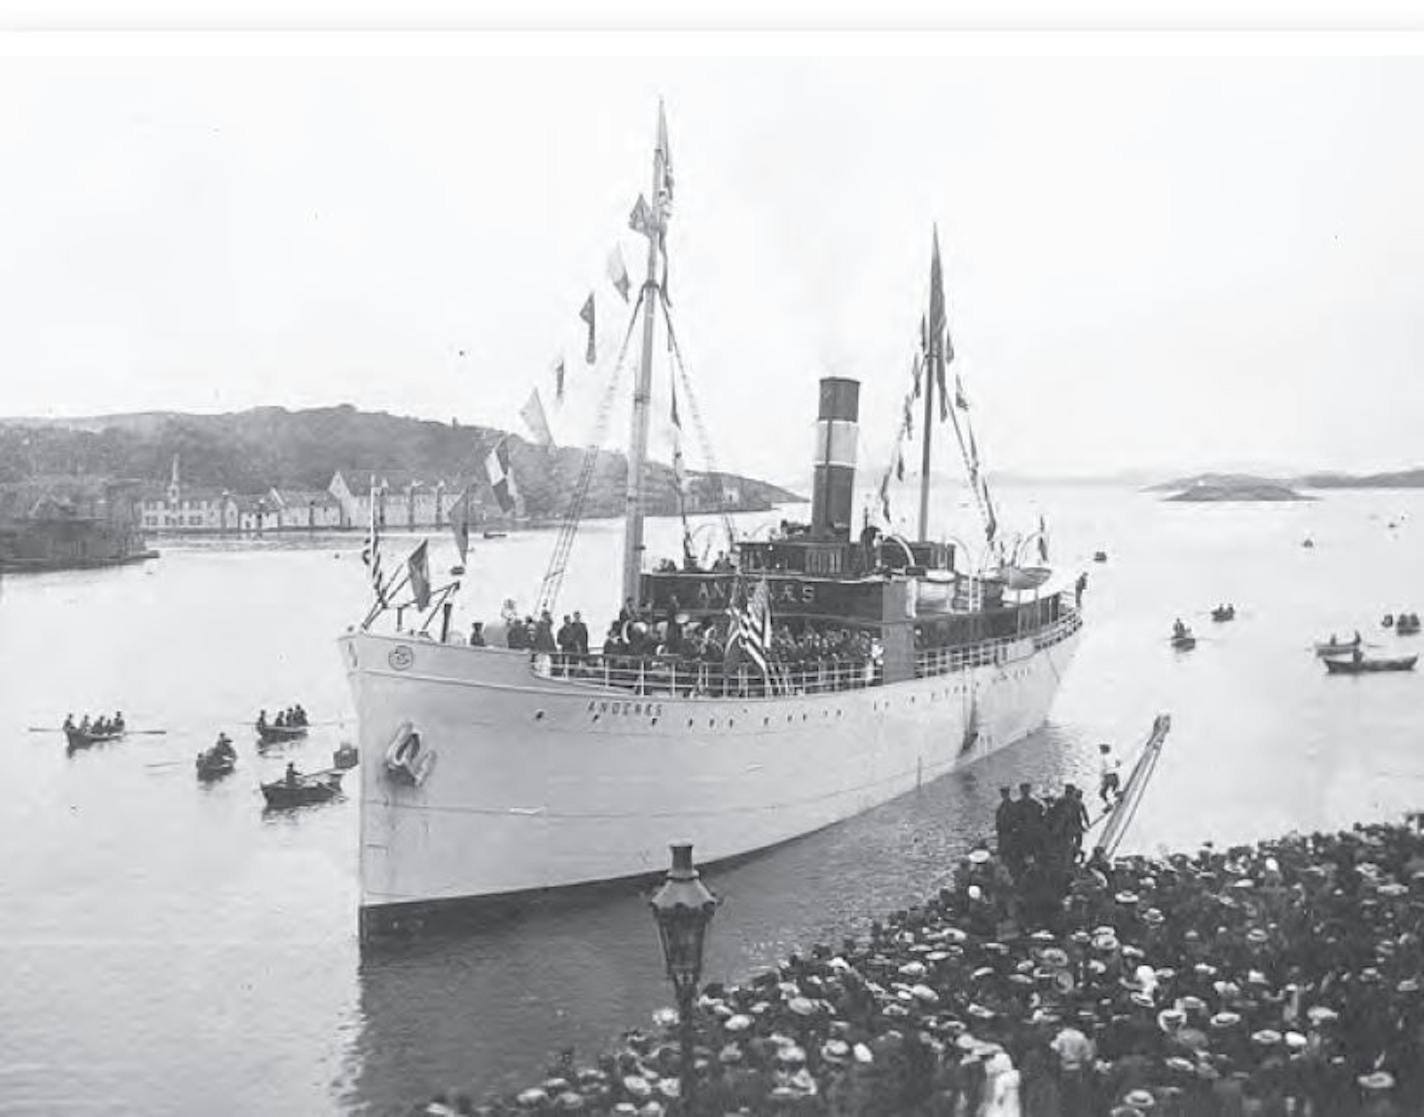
pixel 213 765
pixel 1353 666
pixel 495 534
pixel 1100 556
pixel 1406 627
pixel 1224 613
pixel 345 757
pixel 79 739
pixel 1184 643
pixel 271 734
pixel 320 787
pixel 1330 647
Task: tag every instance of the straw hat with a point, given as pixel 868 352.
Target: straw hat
pixel 1225 1020
pixel 1379 1080
pixel 1170 1019
pixel 1266 1037
pixel 1139 1099
pixel 979 856
pixel 835 1051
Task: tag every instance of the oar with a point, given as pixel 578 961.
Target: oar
pixel 127 732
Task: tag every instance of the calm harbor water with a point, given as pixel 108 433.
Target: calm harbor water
pixel 168 948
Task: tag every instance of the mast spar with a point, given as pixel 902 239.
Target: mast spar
pixel 654 226
pixel 933 342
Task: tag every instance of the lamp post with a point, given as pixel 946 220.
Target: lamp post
pixel 683 907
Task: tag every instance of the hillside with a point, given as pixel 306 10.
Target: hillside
pixel 1398 479
pixel 271 447
pixel 1212 487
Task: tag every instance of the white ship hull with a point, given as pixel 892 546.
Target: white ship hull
pixel 542 783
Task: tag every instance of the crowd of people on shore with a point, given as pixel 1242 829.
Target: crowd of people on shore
pixel 1277 979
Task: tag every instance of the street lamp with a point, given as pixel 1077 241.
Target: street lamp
pixel 683 907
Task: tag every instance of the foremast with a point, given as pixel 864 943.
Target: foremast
pixel 651 220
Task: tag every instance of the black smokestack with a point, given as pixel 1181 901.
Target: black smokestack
pixel 837 426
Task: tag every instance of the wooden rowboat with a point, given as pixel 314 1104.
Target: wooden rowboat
pixel 78 739
pixel 1349 666
pixel 271 734
pixel 320 787
pixel 213 765
pixel 1184 643
pixel 1326 648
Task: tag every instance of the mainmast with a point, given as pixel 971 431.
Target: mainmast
pixel 652 222
pixel 932 339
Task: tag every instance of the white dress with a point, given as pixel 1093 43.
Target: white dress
pixel 1001 1089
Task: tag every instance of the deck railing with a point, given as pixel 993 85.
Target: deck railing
pixel 686 678
pixel 1000 650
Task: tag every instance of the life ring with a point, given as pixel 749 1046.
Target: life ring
pixel 406 757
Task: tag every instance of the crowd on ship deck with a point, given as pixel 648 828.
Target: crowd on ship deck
pixel 806 654
pixel 1277 979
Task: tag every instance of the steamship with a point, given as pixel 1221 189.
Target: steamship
pixel 495 773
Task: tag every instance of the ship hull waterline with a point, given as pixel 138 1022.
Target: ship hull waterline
pixel 537 784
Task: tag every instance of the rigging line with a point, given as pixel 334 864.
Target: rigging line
pixel 573 515
pixel 972 469
pixel 709 456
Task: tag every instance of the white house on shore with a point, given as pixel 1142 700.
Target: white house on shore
pixel 403 501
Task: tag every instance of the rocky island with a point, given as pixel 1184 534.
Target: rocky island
pixel 1210 487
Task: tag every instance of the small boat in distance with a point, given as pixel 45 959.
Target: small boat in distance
pixel 82 739
pixel 1100 556
pixel 1182 638
pixel 1407 625
pixel 1359 665
pixel 218 761
pixel 1307 542
pixel 1337 647
pixel 1223 613
pixel 495 534
pixel 297 790
pixel 288 725
pixel 272 734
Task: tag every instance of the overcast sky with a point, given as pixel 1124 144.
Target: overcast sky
pixel 1151 262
